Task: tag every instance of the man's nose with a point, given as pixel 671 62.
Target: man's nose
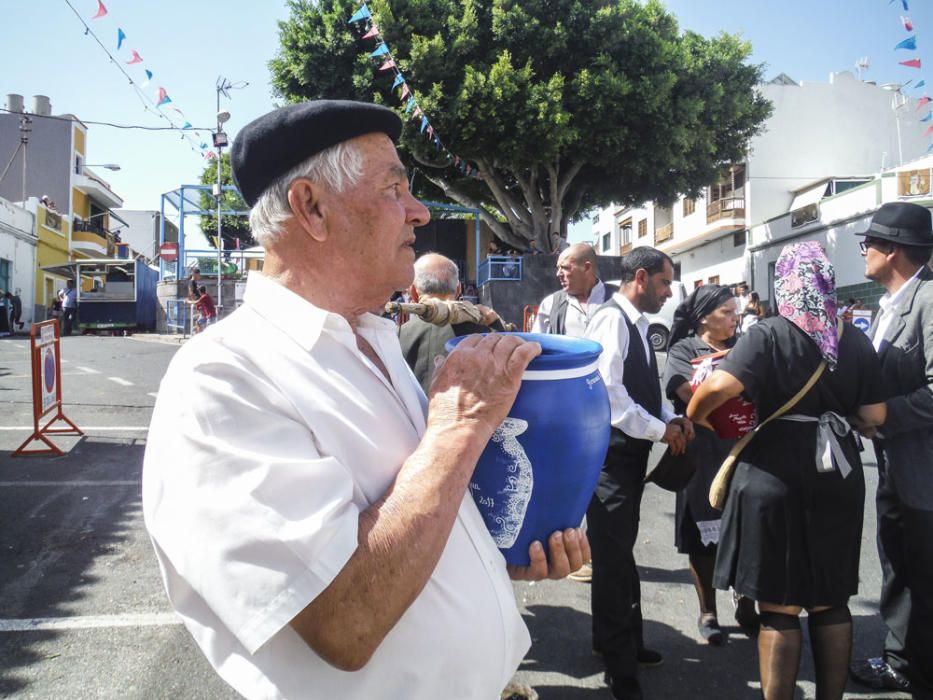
pixel 417 214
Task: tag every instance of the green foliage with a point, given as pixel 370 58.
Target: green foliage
pixel 563 104
pixel 232 227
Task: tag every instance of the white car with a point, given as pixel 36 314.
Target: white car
pixel 659 332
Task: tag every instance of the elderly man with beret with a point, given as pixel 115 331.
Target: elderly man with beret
pixel 307 503
pixel 897 249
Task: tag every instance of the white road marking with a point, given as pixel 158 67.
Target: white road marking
pixel 89 370
pixel 69 484
pixel 94 428
pixel 120 381
pixel 85 622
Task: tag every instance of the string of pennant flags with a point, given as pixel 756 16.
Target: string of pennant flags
pixel 910 44
pixel 158 100
pixel 383 56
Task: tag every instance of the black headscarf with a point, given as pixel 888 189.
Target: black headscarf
pixel 703 301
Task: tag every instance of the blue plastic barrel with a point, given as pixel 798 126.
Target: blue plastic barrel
pixel 538 472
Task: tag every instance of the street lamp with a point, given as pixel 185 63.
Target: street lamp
pixel 106 166
pixel 220 141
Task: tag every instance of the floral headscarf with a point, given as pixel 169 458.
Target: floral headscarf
pixel 805 289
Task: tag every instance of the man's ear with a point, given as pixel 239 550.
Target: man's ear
pixel 304 200
pixel 459 290
pixel 413 293
pixel 641 276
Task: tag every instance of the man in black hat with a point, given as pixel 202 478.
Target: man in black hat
pixel 308 508
pixel 897 249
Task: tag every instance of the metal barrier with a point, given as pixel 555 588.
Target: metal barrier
pixel 179 317
pixel 500 267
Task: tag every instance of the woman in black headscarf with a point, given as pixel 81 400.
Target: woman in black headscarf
pixel 704 325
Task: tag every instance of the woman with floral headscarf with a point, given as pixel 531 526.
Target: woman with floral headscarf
pixel 792 524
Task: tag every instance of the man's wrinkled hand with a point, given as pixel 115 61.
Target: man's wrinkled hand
pixel 489 316
pixel 568 550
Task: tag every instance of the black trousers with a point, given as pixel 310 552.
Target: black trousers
pixel 612 529
pixel 68 319
pixel 905 547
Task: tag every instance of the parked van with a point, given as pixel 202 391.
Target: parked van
pixel 659 330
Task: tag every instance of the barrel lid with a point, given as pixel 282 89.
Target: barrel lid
pixel 557 351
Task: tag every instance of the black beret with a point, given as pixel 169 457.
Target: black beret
pixel 270 146
pixel 901 222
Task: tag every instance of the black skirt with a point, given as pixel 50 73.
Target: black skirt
pixel 707 451
pixel 791 535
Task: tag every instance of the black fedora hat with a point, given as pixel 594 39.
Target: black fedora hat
pixel 903 223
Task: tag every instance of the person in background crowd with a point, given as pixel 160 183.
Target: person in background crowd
pixel 436 277
pixel 792 525
pixel 568 311
pixel 704 323
pixel 194 284
pixel 753 312
pixel 741 299
pixel 897 249
pixel 16 311
pixel 69 307
pixel 308 505
pixel 207 311
pixel 639 418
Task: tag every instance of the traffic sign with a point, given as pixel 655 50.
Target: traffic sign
pixel 168 251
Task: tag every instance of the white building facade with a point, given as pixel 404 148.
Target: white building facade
pixel 18 243
pixel 822 140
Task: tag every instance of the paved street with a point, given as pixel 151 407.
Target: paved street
pixel 83 614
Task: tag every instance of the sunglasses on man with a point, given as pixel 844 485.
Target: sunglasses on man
pixel 882 247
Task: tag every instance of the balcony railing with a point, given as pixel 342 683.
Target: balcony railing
pixel 626 247
pixel 665 233
pixel 81 225
pixel 727 208
pixel 500 267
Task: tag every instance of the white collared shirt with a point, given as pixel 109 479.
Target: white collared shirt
pixel 271 433
pixel 578 316
pixel 609 329
pixel 888 306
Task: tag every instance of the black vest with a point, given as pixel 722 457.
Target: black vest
pixel 640 378
pixel 562 301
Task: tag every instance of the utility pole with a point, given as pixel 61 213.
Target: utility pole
pixel 25 128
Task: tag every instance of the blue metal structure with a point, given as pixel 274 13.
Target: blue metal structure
pixel 461 210
pixel 499 267
pixel 187 202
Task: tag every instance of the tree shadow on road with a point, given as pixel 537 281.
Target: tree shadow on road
pixel 58 517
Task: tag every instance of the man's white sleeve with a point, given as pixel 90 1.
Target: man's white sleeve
pixel 239 501
pixel 609 329
pixel 542 322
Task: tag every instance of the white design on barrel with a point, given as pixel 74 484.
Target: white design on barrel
pixel 516 493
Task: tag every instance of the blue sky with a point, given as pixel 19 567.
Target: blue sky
pixel 187 44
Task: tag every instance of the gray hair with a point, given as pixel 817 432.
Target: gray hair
pixel 435 274
pixel 336 168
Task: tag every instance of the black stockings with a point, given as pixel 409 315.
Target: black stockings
pixel 831 639
pixel 779 641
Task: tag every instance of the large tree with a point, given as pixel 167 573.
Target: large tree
pixel 563 105
pixel 234 227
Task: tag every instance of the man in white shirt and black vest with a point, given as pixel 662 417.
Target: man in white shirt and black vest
pixel 569 310
pixel 639 418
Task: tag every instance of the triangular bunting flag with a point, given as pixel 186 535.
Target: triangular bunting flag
pixel 424 124
pixel 381 50
pixel 203 145
pixel 164 99
pixel 391 64
pixel 121 37
pixel 399 79
pixel 928 131
pixel 135 59
pixel 930 148
pixel 922 101
pixel 920 84
pixel 912 63
pixel 431 132
pixel 405 92
pixel 101 10
pixel 360 15
pixel 908 25
pixel 904 3
pixel 910 43
pixel 417 112
pixel 179 111
pixel 372 33
pixel 410 105
pixel 186 125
